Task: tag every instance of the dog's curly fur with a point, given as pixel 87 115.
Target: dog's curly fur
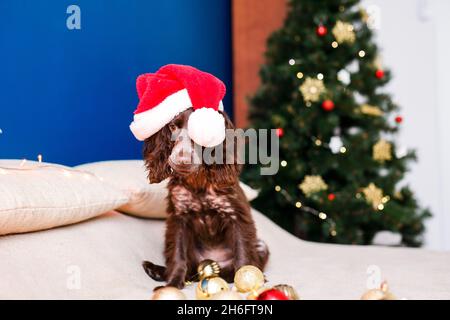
pixel 208 214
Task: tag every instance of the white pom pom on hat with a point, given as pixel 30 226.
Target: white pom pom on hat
pixel 206 127
pixel 174 89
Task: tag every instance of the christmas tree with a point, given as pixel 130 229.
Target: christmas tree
pixel 340 167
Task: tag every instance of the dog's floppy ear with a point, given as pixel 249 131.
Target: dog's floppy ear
pixel 156 153
pixel 228 173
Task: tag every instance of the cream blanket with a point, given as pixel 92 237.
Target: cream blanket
pixel 101 259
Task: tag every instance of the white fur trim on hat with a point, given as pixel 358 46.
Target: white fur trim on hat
pixel 206 127
pixel 149 122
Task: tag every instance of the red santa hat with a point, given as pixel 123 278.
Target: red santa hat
pixel 173 89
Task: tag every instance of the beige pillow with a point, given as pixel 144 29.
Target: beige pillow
pixel 36 196
pixel 146 200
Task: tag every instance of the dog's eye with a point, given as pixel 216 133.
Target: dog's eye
pixel 172 127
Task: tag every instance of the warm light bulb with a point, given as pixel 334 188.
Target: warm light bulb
pixel 320 76
pixel 334 44
pixel 283 163
pixel 291 62
pixel 298 204
pixel 361 53
pixel 39 157
pixel 299 75
pixel 322 215
pixel 277 188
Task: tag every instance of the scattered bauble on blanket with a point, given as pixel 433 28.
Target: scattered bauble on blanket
pixel 248 278
pixel 382 293
pixel 288 290
pixel 272 294
pixel 208 268
pixel 208 287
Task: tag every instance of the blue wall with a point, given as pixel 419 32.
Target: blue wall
pixel 70 94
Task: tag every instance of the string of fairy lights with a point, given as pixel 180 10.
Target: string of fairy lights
pixel 298 204
pixel 67 172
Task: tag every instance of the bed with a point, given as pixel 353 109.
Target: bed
pixel 101 259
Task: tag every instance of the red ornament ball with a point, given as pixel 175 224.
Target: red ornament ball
pixel 399 119
pixel 379 73
pixel 328 105
pixel 272 294
pixel 321 30
pixel 280 132
pixel 331 196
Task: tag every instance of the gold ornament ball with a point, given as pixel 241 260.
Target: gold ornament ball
pixel 378 294
pixel 168 293
pixel 387 294
pixel 248 278
pixel 210 286
pixel 373 294
pixel 226 295
pixel 208 268
pixel 382 293
pixel 288 290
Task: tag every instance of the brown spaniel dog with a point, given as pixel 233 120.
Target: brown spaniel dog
pixel 208 214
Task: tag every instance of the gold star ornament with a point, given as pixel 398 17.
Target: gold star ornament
pixel 382 151
pixel 373 195
pixel 311 89
pixel 312 184
pixel 344 32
